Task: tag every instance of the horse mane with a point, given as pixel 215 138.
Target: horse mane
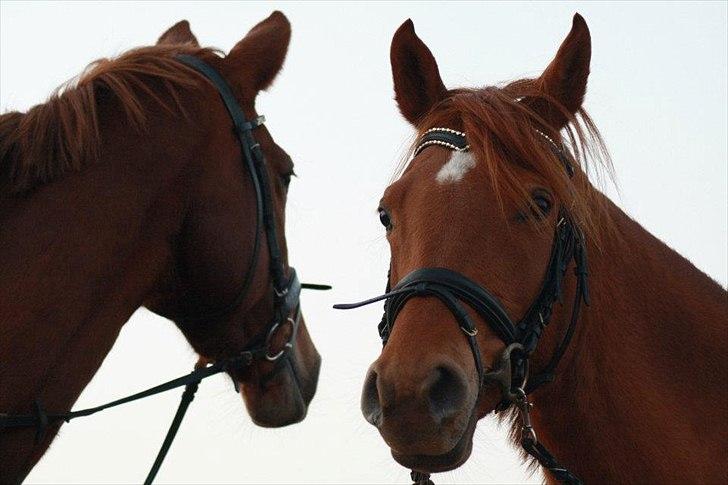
pixel 62 135
pixel 500 125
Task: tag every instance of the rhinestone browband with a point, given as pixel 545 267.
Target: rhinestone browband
pixel 446 137
pixel 456 141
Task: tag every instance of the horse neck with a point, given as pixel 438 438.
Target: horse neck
pixel 636 398
pixel 79 257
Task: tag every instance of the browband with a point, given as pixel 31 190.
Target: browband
pixel 456 141
pixel 446 137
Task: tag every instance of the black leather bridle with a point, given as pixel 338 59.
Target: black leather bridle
pixel 455 290
pixel 286 292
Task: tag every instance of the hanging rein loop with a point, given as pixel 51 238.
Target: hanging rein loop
pixel 455 290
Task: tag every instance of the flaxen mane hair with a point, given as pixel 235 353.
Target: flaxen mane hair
pixel 501 126
pixel 62 135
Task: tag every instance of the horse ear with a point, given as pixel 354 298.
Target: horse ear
pixel 564 80
pixel 179 33
pixel 417 82
pixel 255 61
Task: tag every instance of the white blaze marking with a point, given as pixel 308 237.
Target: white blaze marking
pixel 455 168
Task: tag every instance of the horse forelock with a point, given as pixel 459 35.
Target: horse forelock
pixel 502 134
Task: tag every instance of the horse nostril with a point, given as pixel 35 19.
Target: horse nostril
pixel 370 405
pixel 446 393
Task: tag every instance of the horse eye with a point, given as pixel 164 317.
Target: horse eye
pixel 542 202
pixel 385 219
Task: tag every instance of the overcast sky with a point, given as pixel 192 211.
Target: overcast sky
pixel 657 92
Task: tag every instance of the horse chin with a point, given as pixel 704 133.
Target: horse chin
pixel 454 458
pixel 279 419
pixel 279 402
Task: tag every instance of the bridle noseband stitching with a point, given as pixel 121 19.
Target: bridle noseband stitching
pixel 452 288
pixel 286 292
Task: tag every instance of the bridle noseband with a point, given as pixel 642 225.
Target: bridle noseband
pixel 286 292
pixel 456 291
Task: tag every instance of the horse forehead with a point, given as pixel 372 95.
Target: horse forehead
pixel 455 168
pixel 434 167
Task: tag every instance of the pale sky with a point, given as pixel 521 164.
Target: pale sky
pixel 657 92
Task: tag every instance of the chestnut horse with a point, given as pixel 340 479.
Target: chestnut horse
pixel 128 189
pixel 639 395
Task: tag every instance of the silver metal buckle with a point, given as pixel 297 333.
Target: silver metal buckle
pixel 524 409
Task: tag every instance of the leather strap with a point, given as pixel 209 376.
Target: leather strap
pixel 456 284
pixel 41 419
pixel 445 137
pixel 547 460
pixel 243 130
pixel 187 396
